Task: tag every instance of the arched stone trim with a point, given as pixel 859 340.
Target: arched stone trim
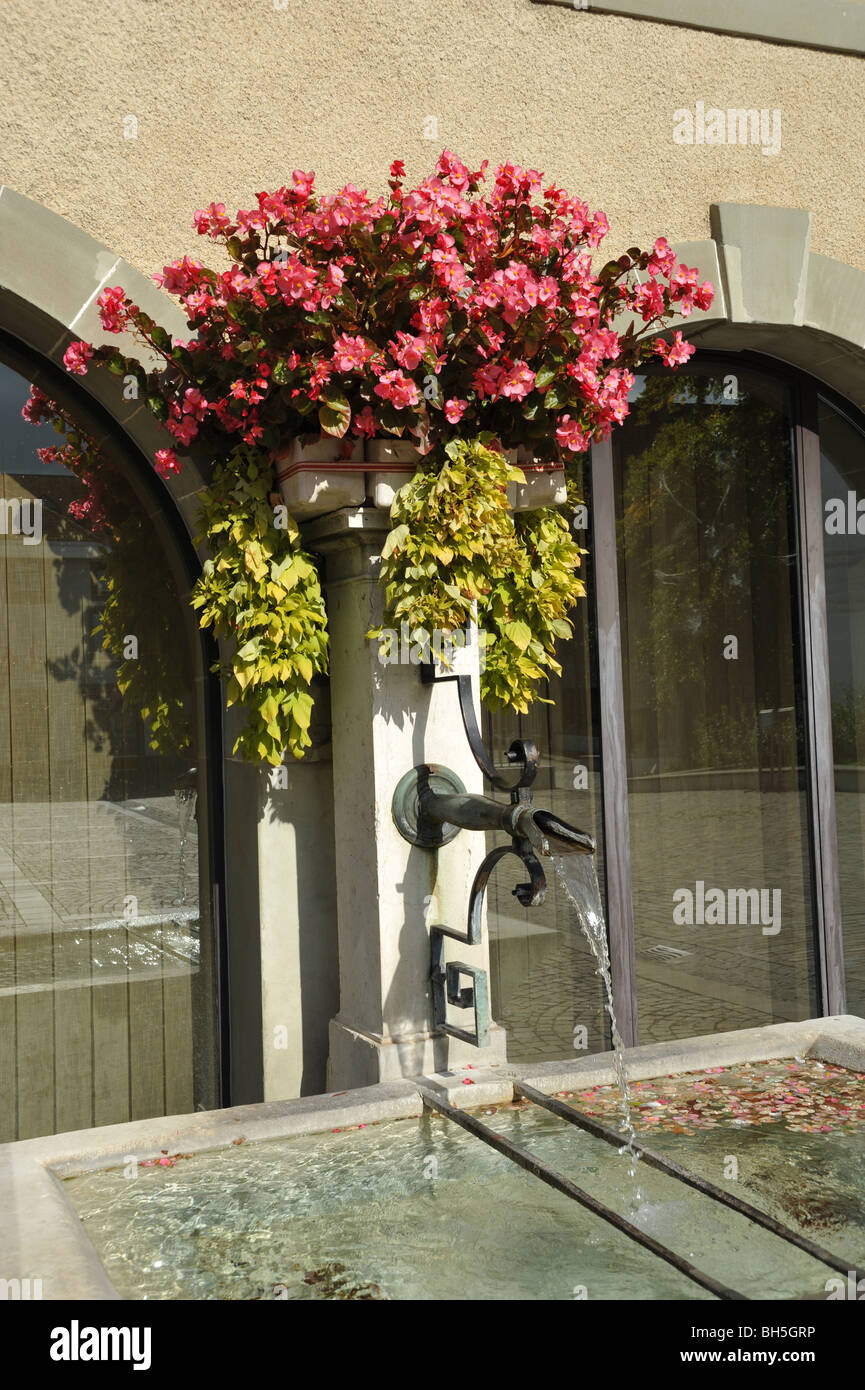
pixel 50 275
pixel 769 282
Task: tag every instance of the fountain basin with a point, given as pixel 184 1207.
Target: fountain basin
pixel 252 1202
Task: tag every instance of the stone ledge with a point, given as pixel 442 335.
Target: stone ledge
pixel 836 25
pixel 841 1035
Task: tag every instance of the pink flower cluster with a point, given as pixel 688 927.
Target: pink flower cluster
pixel 431 311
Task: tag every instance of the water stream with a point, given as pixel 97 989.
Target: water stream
pixel 578 877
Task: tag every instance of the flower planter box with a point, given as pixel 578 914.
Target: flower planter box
pixel 544 485
pixel 314 477
pixel 398 462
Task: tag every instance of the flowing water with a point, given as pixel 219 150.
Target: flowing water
pixel 578 877
pixel 419 1209
pixel 185 799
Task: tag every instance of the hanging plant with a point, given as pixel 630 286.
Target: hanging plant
pixel 262 591
pixel 457 554
pixel 438 314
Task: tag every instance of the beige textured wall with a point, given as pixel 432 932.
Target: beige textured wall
pixel 230 95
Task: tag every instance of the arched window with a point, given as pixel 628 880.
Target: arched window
pixel 108 947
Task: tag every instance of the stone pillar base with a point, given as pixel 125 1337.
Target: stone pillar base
pixel 364 1059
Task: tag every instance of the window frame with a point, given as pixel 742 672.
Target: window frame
pixel 34 367
pixel 813 674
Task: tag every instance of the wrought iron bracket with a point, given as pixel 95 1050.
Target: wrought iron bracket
pixel 446 975
pixel 523 753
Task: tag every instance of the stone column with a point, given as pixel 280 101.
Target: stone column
pixel 385 721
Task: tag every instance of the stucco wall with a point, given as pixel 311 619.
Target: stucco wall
pixel 231 95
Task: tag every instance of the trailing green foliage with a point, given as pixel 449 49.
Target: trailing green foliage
pixel 527 610
pixel 455 553
pixel 451 531
pixel 261 590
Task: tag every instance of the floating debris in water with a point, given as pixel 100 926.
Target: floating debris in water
pixel 799 1093
pixel 334 1281
pixel 166 1161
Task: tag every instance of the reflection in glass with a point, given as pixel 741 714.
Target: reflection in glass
pixel 718 813
pixel 842 466
pixel 106 959
pixel 545 988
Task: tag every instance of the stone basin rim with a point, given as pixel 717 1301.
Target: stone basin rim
pixel 43 1238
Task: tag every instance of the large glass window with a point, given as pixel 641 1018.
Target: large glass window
pixel 842 467
pixel 720 858
pixel 716 474
pixel 107 968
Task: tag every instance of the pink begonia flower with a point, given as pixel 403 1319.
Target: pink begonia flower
pixel 648 300
pixel 704 295
pixel 112 314
pixel 295 279
pixel 596 229
pixel 398 389
pixel 213 221
pixel 194 403
pixel 586 313
pixel 351 354
pixel 180 276
pixel 302 183
pixel 408 351
pixel 570 436
pixel 548 291
pixel 184 430
pixel 675 353
pixel 494 339
pixel 431 315
pixel 166 462
pixel 334 280
pixel 397 169
pixel 250 218
pixel 363 422
pixel 663 258
pixel 274 206
pixel 603 343
pixel 454 410
pixel 517 382
pixel 197 303
pixel 486 380
pixel 321 373
pixel 683 279
pixel 76 357
pixel 454 170
pixel 37 407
